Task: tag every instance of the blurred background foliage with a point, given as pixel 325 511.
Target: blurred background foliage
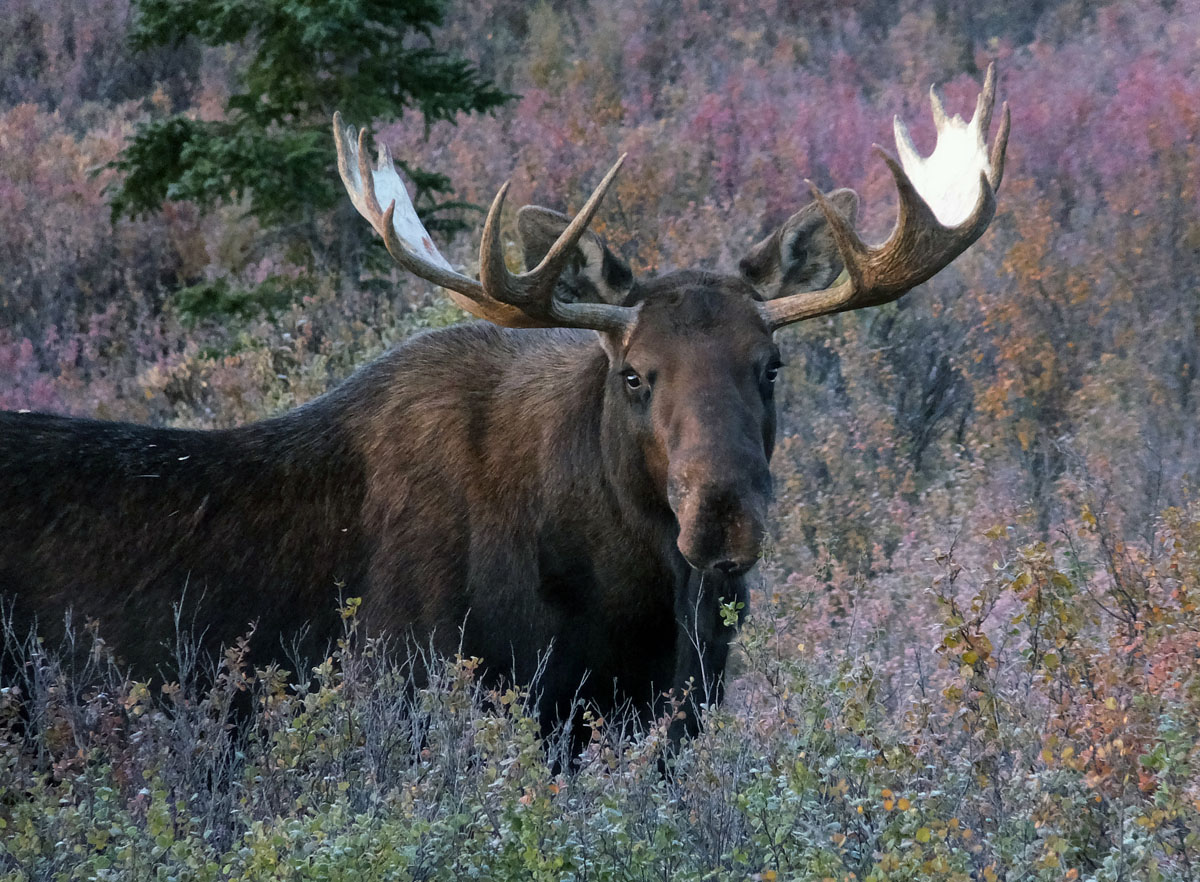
pixel 984 535
pixel 271 145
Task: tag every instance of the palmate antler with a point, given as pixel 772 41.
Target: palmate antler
pixel 947 200
pixel 515 301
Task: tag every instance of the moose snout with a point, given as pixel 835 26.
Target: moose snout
pixel 722 519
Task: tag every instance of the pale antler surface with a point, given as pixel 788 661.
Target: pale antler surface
pixel 405 236
pixel 947 201
pixel 516 301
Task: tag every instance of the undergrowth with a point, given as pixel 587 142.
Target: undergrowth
pixel 1049 733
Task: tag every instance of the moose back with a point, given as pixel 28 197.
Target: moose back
pixel 581 479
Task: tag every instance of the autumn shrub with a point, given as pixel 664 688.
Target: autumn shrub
pixel 1064 341
pixel 1044 728
pixel 973 651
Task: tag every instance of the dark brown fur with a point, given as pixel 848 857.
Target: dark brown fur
pixel 506 491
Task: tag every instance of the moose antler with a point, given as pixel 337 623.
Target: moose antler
pixel 947 200
pixel 526 300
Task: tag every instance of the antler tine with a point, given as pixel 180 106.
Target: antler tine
pixel 998 147
pixel 533 291
pixel 493 272
pixel 560 252
pixel 939 112
pixel 981 122
pixel 946 201
pixel 982 117
pixel 366 175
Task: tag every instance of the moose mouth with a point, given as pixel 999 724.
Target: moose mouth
pixel 720 535
pixel 726 567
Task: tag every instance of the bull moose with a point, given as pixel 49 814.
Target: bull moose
pixel 584 473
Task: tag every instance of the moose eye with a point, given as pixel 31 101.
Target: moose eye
pixel 772 373
pixel 632 380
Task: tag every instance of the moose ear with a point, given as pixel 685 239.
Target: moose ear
pixel 801 254
pixel 594 274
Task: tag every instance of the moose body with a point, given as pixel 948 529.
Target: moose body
pixel 484 516
pixel 574 489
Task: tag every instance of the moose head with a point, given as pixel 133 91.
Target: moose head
pixel 688 414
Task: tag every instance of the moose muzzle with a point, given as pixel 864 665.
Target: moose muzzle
pixel 720 503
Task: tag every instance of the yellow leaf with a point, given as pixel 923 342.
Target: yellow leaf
pixel 903 804
pixel 923 834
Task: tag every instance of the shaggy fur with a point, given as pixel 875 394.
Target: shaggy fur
pixel 509 493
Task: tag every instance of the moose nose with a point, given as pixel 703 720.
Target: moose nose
pixel 721 529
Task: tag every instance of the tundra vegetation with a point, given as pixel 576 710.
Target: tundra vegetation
pixel 974 647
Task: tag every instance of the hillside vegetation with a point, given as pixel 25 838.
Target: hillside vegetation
pixel 974 647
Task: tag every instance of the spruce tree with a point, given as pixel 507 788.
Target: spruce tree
pixel 370 59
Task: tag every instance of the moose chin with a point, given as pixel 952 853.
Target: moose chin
pixel 583 473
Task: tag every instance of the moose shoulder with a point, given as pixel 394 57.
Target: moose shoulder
pixel 581 479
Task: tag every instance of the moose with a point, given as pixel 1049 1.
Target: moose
pixel 574 485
